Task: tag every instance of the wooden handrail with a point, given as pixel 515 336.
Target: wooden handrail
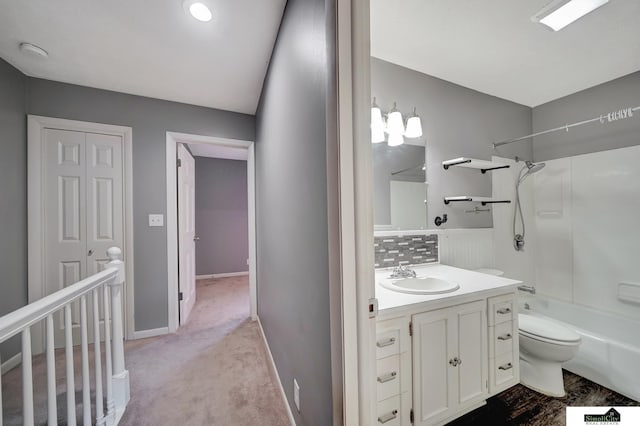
pixel 16 321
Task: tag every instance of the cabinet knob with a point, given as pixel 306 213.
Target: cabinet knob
pixel 388 417
pixel 507 366
pixel 455 361
pixel 505 336
pixel 504 311
pixel 386 342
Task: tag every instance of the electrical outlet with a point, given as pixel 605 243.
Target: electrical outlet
pixel 156 220
pixel 296 394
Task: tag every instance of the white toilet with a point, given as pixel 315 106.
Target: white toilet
pixel 544 346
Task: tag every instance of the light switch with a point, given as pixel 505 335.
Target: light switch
pixel 156 220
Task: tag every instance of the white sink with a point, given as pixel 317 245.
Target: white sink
pixel 420 285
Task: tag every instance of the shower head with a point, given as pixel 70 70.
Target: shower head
pixel 529 169
pixel 534 167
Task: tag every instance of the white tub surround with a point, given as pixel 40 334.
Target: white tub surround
pixel 440 356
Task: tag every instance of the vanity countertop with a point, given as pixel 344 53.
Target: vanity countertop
pixel 470 282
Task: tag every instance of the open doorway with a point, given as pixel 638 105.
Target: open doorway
pixel 210 219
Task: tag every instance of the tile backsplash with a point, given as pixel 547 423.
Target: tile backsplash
pixel 405 250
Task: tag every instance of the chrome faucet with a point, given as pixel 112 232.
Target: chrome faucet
pixel 402 271
pixel 528 288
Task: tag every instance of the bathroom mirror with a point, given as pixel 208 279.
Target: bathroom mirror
pixel 400 186
pixel 477 73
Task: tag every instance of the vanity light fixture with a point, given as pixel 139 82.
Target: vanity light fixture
pixel 198 9
pixel 559 14
pixel 377 124
pixel 395 139
pixel 414 126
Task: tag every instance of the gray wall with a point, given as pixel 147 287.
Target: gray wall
pixel 387 160
pixel 457 122
pixel 221 216
pixel 13 193
pixel 608 97
pixel 292 217
pixel 150 120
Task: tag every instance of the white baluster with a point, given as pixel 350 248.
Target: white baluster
pixel 27 379
pixel 97 358
pixel 68 351
pixel 120 374
pixel 111 406
pixel 52 404
pixel 86 385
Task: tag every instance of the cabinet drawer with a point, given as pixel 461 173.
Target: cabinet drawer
pixel 389 412
pixel 504 369
pixel 388 377
pixel 502 337
pixel 387 343
pixel 501 309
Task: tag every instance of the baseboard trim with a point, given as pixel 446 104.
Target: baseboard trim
pixel 275 370
pixel 11 363
pixel 143 334
pixel 224 275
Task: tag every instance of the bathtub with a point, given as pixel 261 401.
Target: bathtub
pixel 610 349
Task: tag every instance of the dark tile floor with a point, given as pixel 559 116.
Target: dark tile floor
pixel 521 406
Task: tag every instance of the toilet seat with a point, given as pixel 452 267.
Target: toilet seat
pixel 546 330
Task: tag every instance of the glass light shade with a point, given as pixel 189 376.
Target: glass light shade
pixel 377 125
pixel 377 135
pixel 395 124
pixel 395 139
pixel 414 127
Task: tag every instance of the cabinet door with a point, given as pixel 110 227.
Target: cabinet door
pixel 433 343
pixel 472 352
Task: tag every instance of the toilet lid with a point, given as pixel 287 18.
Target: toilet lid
pixel 545 328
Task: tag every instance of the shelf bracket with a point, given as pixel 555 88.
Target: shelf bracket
pixel 460 199
pixel 446 166
pixel 484 203
pixel 495 168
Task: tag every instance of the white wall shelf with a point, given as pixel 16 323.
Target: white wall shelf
pixel 472 163
pixel 474 199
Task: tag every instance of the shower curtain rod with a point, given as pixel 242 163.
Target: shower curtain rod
pixel 607 118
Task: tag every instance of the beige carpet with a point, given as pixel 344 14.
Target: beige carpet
pixel 213 371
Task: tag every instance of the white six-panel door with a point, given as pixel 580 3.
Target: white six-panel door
pixel 83 207
pixel 186 232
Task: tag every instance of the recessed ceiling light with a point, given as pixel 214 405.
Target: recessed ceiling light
pixel 559 14
pixel 198 10
pixel 32 49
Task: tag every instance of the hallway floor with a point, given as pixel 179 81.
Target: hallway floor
pixel 213 371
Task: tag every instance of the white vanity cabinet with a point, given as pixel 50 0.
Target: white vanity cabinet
pixel 438 361
pixel 449 361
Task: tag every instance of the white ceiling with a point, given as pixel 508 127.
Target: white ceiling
pixel 495 48
pixel 148 47
pixel 218 151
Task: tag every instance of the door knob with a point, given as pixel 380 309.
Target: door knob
pixel 196 238
pixel 90 252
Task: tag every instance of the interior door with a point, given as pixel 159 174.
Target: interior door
pixel 186 232
pixel 65 202
pixel 83 209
